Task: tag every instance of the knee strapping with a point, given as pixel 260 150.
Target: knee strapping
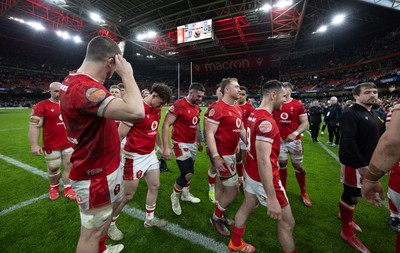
pixel 351 195
pixel 186 166
pixel 96 220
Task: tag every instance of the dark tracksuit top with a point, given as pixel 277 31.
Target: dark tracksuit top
pixel 360 130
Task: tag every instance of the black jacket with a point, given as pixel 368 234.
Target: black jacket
pixel 315 113
pixel 332 117
pixel 360 130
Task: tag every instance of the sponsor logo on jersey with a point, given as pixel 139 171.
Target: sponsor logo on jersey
pixel 284 116
pixel 195 120
pixel 93 172
pixel 95 95
pixel 265 126
pixel 154 125
pixel 238 122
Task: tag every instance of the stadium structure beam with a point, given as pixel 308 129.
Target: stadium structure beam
pixel 6 5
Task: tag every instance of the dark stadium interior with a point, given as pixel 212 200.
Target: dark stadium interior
pixel 365 48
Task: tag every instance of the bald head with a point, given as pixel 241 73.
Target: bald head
pixel 54 90
pixel 333 100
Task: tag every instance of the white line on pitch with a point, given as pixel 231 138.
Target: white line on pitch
pixel 23 204
pixel 193 237
pixel 10 129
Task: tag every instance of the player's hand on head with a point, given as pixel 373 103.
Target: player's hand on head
pixel 122 66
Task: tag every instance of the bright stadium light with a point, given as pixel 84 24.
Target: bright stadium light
pixel 322 29
pixel 338 19
pixel 96 17
pixel 283 4
pixel 77 39
pixel 266 7
pixel 147 35
pixel 36 25
pixel 64 35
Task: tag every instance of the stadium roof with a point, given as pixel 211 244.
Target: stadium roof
pixel 240 29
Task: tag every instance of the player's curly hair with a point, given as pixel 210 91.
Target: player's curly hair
pixel 163 91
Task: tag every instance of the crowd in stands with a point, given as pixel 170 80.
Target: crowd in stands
pixel 27 68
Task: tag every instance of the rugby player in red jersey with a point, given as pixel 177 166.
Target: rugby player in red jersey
pixel 89 112
pixel 56 147
pixel 184 115
pixel 261 172
pixel 246 110
pixel 292 120
pixel 139 157
pixel 223 130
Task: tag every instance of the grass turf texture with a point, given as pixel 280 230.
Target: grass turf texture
pixel 46 226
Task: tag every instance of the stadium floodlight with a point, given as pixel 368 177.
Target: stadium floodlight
pixel 64 35
pixel 283 4
pixel 322 29
pixel 96 17
pixel 77 39
pixel 338 19
pixel 17 19
pixel 266 7
pixel 138 54
pixel 147 35
pixel 36 25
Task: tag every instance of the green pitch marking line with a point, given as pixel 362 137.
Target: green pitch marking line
pixel 191 236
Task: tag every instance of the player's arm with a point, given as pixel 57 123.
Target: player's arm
pixel 263 150
pixel 211 129
pixel 168 121
pixel 34 133
pixel 123 130
pixel 198 139
pixel 159 147
pixel 130 108
pixel 303 119
pixel 243 134
pixel 386 154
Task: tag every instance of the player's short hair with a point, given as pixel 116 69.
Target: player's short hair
pixel 271 85
pixel 114 87
pixel 368 85
pixel 121 86
pixel 197 86
pixel 287 85
pixel 101 48
pixel 225 82
pixel 54 84
pixel 244 88
pixel 163 91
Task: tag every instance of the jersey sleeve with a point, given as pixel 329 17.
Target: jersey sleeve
pixel 175 109
pixel 264 131
pixel 38 110
pixel 302 110
pixel 93 99
pixel 213 115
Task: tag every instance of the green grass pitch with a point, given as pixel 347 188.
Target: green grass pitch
pixel 53 226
